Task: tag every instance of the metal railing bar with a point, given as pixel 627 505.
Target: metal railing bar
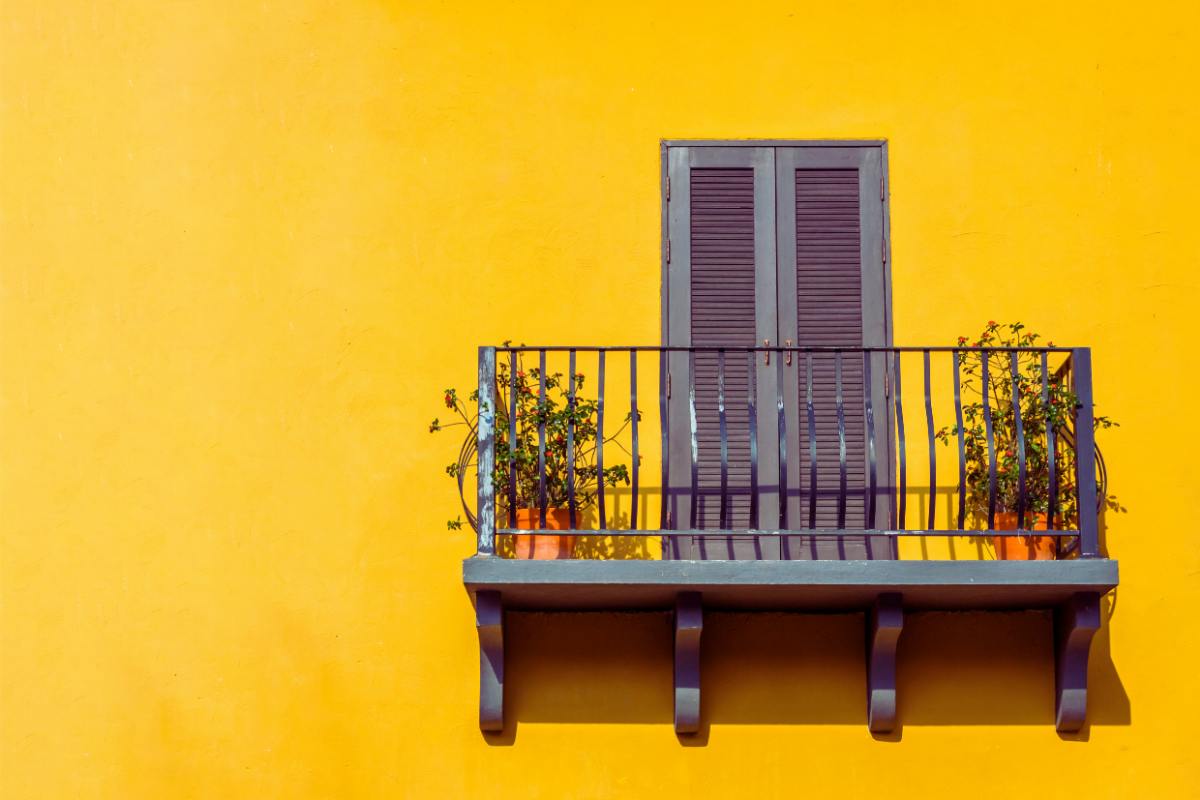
pixel 841 418
pixel 1019 430
pixel 512 439
pixel 663 435
pixel 542 438
pixel 812 441
pixel 752 408
pixel 903 491
pixel 869 410
pixel 571 438
pixel 633 432
pixel 724 433
pixel 985 391
pixel 1051 451
pixel 695 444
pixel 1087 496
pixel 485 443
pixel 600 510
pixel 930 433
pixel 962 446
pixel 783 453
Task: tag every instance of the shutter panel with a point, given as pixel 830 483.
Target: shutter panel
pixel 723 313
pixel 721 292
pixel 829 313
pixel 831 295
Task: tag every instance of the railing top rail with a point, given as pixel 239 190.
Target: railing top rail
pixel 775 349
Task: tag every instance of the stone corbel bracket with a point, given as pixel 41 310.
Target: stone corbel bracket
pixel 489 623
pixel 1075 623
pixel 689 624
pixel 884 625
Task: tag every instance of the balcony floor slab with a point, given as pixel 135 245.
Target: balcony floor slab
pixel 592 585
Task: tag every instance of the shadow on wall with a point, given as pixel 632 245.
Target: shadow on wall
pixel 794 669
pixel 613 546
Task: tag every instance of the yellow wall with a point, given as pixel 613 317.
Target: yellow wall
pixel 245 245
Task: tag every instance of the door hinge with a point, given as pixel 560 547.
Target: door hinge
pixel 668 251
pixel 883 250
pixel 887 384
pixel 668 386
pixel 882 193
pixel 668 188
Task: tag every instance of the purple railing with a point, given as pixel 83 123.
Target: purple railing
pixel 1063 441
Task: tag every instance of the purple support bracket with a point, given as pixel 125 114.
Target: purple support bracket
pixel 886 621
pixel 689 624
pixel 489 622
pixel 1075 623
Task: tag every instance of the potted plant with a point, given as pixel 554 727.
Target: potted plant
pixel 557 413
pixel 1058 410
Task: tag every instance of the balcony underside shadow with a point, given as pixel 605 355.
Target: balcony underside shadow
pixel 972 668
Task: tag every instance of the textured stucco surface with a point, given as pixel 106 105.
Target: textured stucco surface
pixel 246 245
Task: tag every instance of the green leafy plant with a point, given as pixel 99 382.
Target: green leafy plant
pixel 557 412
pixel 1057 410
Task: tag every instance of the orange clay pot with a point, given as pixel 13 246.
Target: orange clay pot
pixel 543 548
pixel 1023 548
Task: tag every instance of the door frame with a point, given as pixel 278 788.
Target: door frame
pixel 881 144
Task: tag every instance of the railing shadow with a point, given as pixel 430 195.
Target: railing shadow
pixel 970 544
pixel 794 669
pixel 610 545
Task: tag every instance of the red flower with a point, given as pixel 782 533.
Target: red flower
pixel 962 340
pixel 449 401
pixel 520 373
pixel 991 323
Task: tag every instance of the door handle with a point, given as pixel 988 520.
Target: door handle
pixel 766 353
pixel 787 356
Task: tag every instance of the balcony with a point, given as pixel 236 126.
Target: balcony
pixel 791 479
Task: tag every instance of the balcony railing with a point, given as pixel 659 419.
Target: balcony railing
pixel 787 478
pixel 787 504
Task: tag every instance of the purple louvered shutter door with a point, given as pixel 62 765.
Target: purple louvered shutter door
pixel 720 293
pixel 829 313
pixel 722 314
pixel 831 235
pixel 777 243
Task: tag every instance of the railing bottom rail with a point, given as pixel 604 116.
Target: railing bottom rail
pixel 838 532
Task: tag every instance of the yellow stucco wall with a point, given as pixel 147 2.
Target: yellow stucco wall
pixel 245 245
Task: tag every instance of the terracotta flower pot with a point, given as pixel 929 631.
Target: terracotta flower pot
pixel 1023 548
pixel 546 547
